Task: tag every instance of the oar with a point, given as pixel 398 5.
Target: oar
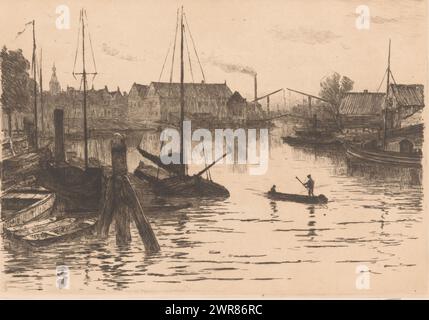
pixel 301 182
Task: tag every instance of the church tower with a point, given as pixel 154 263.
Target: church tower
pixel 54 85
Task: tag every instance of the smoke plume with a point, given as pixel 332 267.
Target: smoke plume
pixel 230 68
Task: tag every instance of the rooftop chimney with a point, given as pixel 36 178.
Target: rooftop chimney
pixel 256 87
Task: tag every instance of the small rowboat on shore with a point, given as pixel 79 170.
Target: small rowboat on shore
pixel 320 199
pixel 23 204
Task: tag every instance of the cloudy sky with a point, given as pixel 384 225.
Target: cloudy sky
pixel 289 43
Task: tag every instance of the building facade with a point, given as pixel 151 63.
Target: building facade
pixel 160 102
pixel 405 101
pixel 102 105
pixel 136 96
pixel 404 120
pixel 361 113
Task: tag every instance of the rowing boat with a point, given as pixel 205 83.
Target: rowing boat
pixel 23 204
pixel 280 196
pixel 60 230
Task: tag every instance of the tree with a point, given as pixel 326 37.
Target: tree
pixel 333 88
pixel 14 81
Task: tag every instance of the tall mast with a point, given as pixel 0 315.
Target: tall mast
pixel 85 130
pixel 41 93
pixel 35 87
pixel 386 101
pixel 182 96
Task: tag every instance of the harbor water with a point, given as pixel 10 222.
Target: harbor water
pixel 248 245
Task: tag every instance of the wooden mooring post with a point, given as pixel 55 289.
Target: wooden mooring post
pixel 121 202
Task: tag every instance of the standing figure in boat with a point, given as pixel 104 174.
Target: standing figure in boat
pixel 273 189
pixel 310 185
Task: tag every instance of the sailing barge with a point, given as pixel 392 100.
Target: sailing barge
pixel 174 180
pixel 80 185
pixel 381 156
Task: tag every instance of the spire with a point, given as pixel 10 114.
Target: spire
pixel 54 84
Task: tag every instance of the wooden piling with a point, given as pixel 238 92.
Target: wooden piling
pixel 59 136
pixel 121 202
pixel 142 223
pixel 122 224
pixel 106 215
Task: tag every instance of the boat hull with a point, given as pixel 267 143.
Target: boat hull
pixel 383 157
pixel 320 199
pixel 82 187
pixel 58 231
pixel 298 141
pixel 183 186
pixel 35 203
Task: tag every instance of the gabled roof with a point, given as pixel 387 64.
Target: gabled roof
pixel 141 89
pixel 408 95
pixel 193 90
pixel 236 98
pixel 360 103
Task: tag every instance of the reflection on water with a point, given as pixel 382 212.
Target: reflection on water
pixel 249 244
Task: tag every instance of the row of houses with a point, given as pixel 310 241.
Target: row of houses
pixel 157 102
pixel 160 102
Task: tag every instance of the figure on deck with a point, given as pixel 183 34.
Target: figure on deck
pixel 309 185
pixel 273 189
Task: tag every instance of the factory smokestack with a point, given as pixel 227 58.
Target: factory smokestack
pixel 256 86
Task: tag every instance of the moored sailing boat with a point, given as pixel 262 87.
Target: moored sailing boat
pixel 81 185
pixel 174 180
pixel 382 156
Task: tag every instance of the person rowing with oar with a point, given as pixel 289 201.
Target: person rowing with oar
pixel 309 185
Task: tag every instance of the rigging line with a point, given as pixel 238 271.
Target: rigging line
pixel 92 49
pixel 165 60
pixel 189 57
pixel 209 175
pixel 195 48
pixel 205 161
pixel 174 47
pixel 382 80
pixel 77 46
pixel 394 81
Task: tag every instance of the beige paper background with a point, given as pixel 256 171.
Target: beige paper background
pixel 289 43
